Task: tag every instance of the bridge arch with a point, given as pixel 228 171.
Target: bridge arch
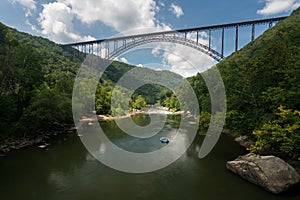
pixel 170 39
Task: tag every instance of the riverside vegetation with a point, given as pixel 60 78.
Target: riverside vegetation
pixel 262 89
pixel 261 81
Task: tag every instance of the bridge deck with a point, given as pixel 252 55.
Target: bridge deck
pixel 203 28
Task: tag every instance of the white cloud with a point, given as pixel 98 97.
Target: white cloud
pixel 156 51
pixel 278 6
pixel 116 13
pixel 176 10
pixel 186 61
pixel 295 6
pixel 140 65
pixel 28 5
pixel 124 60
pixel 56 21
pixel 161 4
pixel 202 37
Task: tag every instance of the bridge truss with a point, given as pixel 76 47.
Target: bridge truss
pixel 113 47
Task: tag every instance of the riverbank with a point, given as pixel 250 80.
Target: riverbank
pixel 8 145
pixel 105 117
pixel 135 112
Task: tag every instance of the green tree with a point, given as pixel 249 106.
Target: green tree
pixel 204 120
pixel 8 116
pixel 281 135
pixel 103 99
pixel 139 103
pixel 49 110
pixel 119 102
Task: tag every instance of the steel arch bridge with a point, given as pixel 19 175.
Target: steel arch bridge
pixel 113 47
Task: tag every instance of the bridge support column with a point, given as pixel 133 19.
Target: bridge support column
pixel 91 49
pixel 222 50
pixel 209 39
pixel 85 49
pixel 253 32
pixel 236 38
pixel 115 46
pixel 106 49
pixel 99 49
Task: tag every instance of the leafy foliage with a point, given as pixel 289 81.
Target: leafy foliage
pixel 204 120
pixel 103 98
pixel 258 79
pixel 49 110
pixel 172 103
pixel 198 84
pixel 281 134
pixel 138 103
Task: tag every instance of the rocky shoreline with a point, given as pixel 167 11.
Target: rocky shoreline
pixel 41 141
pixel 15 144
pixel 272 173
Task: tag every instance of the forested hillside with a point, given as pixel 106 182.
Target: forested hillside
pixel 37 77
pixel 259 79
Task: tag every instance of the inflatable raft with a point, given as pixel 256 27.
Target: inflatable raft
pixel 164 140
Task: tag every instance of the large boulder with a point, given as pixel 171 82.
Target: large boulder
pixel 269 172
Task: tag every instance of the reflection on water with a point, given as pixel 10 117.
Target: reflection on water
pixel 142 145
pixel 67 171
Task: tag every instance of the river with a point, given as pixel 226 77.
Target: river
pixel 67 171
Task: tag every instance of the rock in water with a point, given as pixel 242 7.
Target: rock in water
pixel 43 146
pixel 269 172
pixel 244 141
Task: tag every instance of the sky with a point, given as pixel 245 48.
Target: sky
pixel 67 21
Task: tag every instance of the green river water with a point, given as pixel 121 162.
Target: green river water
pixel 67 171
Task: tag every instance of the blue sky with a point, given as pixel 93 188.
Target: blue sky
pixel 65 21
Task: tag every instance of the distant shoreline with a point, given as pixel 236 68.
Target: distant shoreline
pixel 12 144
pixel 132 113
pixel 106 118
